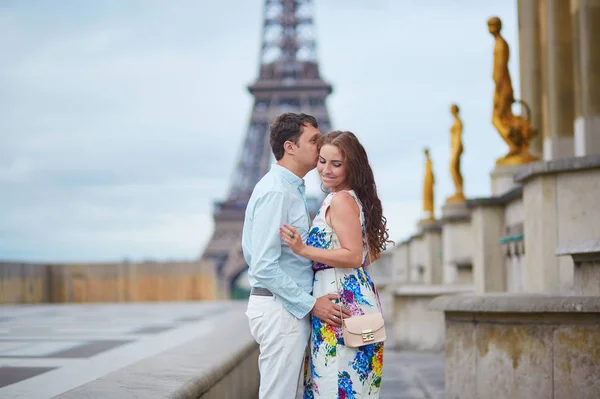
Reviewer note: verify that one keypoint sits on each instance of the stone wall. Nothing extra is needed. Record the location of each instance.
(116, 282)
(561, 206)
(24, 283)
(416, 255)
(401, 262)
(222, 363)
(415, 326)
(518, 346)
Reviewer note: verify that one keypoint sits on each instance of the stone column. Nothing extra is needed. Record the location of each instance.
(586, 28)
(556, 33)
(433, 245)
(489, 271)
(530, 67)
(431, 251)
(457, 243)
(401, 263)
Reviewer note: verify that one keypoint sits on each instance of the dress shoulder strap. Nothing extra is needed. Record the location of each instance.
(353, 195)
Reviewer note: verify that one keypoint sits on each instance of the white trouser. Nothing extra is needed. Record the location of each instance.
(282, 339)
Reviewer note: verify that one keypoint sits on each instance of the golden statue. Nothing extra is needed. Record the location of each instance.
(456, 148)
(515, 130)
(428, 183)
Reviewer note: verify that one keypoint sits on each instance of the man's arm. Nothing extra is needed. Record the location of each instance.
(269, 215)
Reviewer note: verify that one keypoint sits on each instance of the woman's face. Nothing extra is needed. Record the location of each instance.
(331, 167)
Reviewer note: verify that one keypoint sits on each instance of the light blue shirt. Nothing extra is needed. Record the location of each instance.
(278, 199)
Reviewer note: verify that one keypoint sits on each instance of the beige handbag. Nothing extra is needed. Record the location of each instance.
(362, 330)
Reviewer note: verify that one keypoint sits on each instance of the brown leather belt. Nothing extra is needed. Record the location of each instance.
(260, 291)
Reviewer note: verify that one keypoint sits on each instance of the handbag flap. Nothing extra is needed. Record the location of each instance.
(370, 321)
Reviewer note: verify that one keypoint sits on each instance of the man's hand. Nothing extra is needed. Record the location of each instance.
(328, 311)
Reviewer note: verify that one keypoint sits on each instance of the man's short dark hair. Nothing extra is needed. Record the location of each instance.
(288, 127)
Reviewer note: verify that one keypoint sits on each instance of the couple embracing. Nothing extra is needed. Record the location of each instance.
(307, 278)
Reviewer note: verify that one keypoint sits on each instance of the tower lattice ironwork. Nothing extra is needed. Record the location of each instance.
(288, 81)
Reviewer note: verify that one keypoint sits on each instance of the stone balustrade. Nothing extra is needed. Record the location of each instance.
(456, 246)
(220, 364)
(517, 346)
(415, 326)
(381, 271)
(521, 346)
(586, 258)
(498, 242)
(560, 199)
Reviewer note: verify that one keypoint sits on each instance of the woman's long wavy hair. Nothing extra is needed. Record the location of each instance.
(359, 176)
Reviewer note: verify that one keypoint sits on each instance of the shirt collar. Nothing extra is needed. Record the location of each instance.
(288, 175)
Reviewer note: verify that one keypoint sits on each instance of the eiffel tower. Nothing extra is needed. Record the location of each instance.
(288, 81)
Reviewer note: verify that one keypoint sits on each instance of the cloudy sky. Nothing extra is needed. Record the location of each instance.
(120, 120)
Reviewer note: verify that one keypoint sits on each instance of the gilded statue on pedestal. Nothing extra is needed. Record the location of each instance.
(515, 130)
(428, 183)
(456, 148)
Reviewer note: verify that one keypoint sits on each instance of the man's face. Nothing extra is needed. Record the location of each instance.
(307, 151)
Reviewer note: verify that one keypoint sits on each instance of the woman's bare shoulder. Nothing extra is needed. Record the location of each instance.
(344, 202)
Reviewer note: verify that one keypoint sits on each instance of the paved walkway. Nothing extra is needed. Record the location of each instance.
(46, 350)
(412, 375)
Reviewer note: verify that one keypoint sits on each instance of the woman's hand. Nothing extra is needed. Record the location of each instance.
(292, 238)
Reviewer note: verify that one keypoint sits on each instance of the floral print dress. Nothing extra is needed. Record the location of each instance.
(334, 371)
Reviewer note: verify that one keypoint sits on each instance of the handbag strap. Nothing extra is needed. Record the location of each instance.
(336, 275)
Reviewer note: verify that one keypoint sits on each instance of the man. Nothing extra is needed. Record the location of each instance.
(280, 299)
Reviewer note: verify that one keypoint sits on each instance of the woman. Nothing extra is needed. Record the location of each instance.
(347, 233)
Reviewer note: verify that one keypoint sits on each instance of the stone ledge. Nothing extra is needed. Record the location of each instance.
(558, 166)
(416, 236)
(456, 219)
(427, 226)
(587, 247)
(501, 200)
(455, 212)
(518, 303)
(432, 290)
(208, 366)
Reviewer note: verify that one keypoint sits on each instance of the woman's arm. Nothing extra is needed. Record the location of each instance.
(371, 259)
(345, 221)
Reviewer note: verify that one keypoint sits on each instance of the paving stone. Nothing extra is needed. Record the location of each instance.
(101, 334)
(10, 375)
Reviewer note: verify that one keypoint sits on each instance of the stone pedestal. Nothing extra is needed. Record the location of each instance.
(415, 326)
(586, 258)
(381, 270)
(517, 346)
(521, 346)
(457, 243)
(430, 232)
(488, 223)
(503, 179)
(416, 266)
(381, 273)
(560, 205)
(401, 262)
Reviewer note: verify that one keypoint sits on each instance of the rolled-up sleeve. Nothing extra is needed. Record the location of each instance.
(269, 216)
